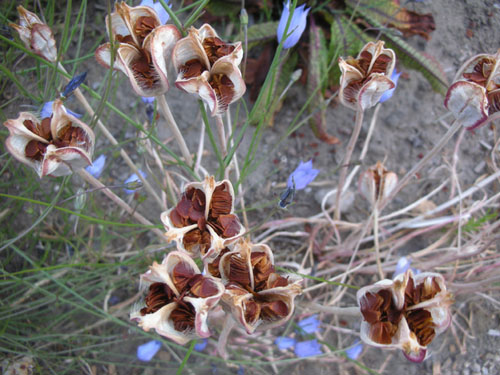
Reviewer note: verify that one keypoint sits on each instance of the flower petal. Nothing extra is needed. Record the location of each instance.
(147, 351)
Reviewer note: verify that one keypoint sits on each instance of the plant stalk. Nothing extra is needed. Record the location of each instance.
(347, 160)
(165, 110)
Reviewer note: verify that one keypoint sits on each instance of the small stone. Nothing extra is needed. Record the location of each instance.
(476, 367)
(486, 371)
(466, 372)
(453, 349)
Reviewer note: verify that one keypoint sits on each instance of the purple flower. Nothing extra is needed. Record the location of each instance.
(308, 348)
(285, 342)
(355, 350)
(158, 8)
(201, 345)
(133, 182)
(97, 166)
(310, 324)
(47, 111)
(302, 176)
(388, 94)
(296, 27)
(147, 351)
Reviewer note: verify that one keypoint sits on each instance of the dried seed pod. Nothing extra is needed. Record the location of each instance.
(179, 299)
(377, 183)
(257, 297)
(474, 97)
(203, 222)
(405, 313)
(365, 78)
(55, 146)
(144, 45)
(35, 35)
(208, 67)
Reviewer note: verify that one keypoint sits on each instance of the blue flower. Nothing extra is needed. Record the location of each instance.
(47, 111)
(308, 348)
(402, 266)
(133, 182)
(285, 342)
(310, 324)
(97, 166)
(302, 176)
(201, 345)
(158, 8)
(147, 351)
(355, 350)
(296, 27)
(148, 100)
(388, 94)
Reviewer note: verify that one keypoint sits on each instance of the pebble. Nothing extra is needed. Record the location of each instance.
(486, 371)
(476, 367)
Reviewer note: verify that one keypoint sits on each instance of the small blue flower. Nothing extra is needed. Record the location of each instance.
(47, 111)
(308, 348)
(388, 94)
(355, 350)
(241, 370)
(148, 100)
(132, 181)
(296, 27)
(284, 342)
(147, 351)
(310, 324)
(72, 85)
(302, 176)
(402, 266)
(97, 166)
(201, 345)
(158, 8)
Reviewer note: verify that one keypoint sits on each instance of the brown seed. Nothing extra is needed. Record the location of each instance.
(158, 296)
(203, 287)
(183, 316)
(274, 310)
(181, 275)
